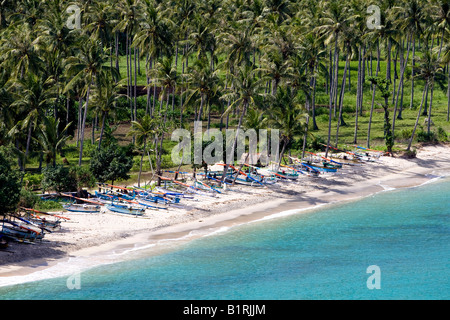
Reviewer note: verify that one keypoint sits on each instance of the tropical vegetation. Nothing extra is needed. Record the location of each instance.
(330, 72)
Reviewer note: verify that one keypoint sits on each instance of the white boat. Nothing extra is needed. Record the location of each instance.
(86, 208)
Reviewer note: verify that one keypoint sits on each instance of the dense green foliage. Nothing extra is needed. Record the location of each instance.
(111, 163)
(10, 185)
(68, 92)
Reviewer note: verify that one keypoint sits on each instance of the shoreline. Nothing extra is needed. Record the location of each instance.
(83, 240)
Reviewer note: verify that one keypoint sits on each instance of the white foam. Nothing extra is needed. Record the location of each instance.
(386, 188)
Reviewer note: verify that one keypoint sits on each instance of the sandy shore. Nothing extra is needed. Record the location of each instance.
(93, 235)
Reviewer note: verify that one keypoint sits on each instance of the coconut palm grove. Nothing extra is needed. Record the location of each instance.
(90, 91)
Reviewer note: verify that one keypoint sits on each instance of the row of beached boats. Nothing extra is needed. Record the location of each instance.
(216, 179)
(28, 226)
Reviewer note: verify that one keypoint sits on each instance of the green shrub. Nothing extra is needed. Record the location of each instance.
(58, 179)
(442, 135)
(32, 181)
(423, 136)
(28, 199)
(166, 161)
(405, 133)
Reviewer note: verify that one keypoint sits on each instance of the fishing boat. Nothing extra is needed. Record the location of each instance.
(346, 157)
(283, 173)
(321, 168)
(190, 189)
(20, 232)
(40, 218)
(126, 209)
(172, 193)
(241, 177)
(149, 204)
(204, 186)
(82, 208)
(346, 160)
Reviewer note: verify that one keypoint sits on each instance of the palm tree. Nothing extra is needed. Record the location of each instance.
(409, 18)
(20, 52)
(143, 130)
(154, 39)
(32, 96)
(238, 45)
(335, 19)
(89, 67)
(383, 86)
(129, 22)
(246, 93)
(166, 76)
(429, 70)
(287, 115)
(203, 83)
(105, 100)
(50, 139)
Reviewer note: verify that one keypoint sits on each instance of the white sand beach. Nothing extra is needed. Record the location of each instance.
(92, 234)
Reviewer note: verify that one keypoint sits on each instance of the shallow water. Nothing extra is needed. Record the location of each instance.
(323, 254)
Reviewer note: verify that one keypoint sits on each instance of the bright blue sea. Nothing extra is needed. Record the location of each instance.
(323, 254)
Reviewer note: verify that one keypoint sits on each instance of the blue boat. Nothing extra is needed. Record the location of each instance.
(319, 168)
(126, 209)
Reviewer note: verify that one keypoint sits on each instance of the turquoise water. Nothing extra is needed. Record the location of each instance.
(323, 254)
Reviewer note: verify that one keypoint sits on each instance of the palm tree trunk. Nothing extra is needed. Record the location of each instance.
(429, 109)
(373, 102)
(341, 98)
(199, 116)
(84, 125)
(140, 166)
(412, 77)
(417, 119)
(162, 93)
(128, 72)
(102, 130)
(117, 52)
(313, 103)
(305, 136)
(330, 114)
(336, 74)
(358, 89)
(388, 65)
(135, 85)
(395, 74)
(448, 93)
(400, 86)
(27, 148)
(147, 107)
(80, 108)
(236, 138)
(363, 79)
(330, 74)
(67, 110)
(389, 136)
(93, 131)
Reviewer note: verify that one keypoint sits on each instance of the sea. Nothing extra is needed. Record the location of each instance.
(392, 245)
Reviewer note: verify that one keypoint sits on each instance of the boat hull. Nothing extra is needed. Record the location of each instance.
(82, 208)
(126, 210)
